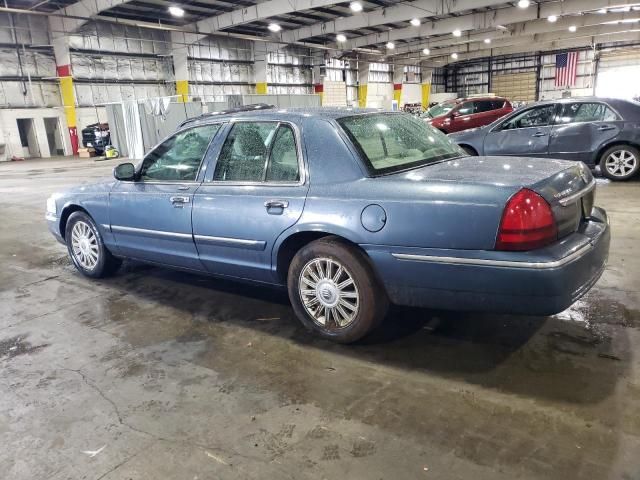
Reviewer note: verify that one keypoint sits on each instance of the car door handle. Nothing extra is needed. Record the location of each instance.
(179, 199)
(604, 128)
(276, 204)
(539, 134)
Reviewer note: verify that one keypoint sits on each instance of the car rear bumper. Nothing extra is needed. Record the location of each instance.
(541, 282)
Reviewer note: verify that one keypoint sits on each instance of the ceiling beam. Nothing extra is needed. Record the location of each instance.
(83, 11)
(540, 38)
(560, 44)
(519, 30)
(380, 16)
(486, 20)
(260, 11)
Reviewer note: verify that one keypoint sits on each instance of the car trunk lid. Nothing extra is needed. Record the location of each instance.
(568, 187)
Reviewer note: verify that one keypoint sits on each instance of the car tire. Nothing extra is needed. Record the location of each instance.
(86, 248)
(620, 162)
(335, 291)
(470, 150)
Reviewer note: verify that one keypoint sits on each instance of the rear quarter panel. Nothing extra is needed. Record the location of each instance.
(419, 212)
(629, 133)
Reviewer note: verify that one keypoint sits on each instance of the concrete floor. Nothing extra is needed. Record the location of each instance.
(158, 374)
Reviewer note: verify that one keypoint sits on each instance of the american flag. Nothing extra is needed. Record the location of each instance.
(566, 69)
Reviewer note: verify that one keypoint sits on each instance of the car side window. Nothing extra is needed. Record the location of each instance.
(178, 158)
(466, 108)
(586, 112)
(484, 106)
(497, 104)
(283, 161)
(535, 117)
(244, 154)
(258, 152)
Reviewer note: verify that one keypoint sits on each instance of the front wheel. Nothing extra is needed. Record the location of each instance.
(86, 248)
(335, 291)
(469, 150)
(620, 162)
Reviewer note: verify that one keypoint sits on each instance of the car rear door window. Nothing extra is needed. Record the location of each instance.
(258, 152)
(497, 104)
(535, 117)
(283, 161)
(484, 106)
(586, 112)
(179, 157)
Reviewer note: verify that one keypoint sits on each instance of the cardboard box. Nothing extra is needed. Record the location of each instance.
(86, 152)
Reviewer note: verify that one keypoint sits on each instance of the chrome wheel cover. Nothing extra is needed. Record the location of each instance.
(328, 293)
(620, 163)
(84, 245)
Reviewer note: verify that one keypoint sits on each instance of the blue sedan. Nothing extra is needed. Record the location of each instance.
(596, 131)
(350, 210)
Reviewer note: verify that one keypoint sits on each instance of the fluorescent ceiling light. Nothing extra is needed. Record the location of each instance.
(274, 27)
(176, 11)
(602, 10)
(573, 28)
(341, 38)
(415, 22)
(457, 33)
(426, 51)
(524, 3)
(355, 6)
(391, 45)
(487, 40)
(552, 18)
(454, 56)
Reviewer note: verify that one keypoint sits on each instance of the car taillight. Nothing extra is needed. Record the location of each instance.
(527, 223)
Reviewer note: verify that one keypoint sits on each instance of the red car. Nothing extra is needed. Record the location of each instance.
(465, 113)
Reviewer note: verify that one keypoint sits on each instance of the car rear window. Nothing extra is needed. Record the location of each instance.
(392, 142)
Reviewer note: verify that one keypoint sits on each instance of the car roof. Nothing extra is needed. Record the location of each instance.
(610, 100)
(291, 114)
(488, 97)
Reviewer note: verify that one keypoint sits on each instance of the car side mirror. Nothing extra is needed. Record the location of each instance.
(455, 114)
(125, 172)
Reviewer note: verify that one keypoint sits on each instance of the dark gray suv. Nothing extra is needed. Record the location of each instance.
(596, 131)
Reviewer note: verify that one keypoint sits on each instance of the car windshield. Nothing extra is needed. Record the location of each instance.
(392, 142)
(441, 109)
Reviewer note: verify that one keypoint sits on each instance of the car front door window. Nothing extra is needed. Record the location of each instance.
(178, 158)
(536, 117)
(466, 108)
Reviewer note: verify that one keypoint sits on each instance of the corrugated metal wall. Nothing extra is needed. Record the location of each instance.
(289, 70)
(220, 66)
(111, 63)
(27, 76)
(380, 73)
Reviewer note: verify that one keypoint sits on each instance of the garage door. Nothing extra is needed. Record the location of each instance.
(614, 71)
(519, 87)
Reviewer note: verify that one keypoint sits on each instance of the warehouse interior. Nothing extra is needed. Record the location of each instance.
(155, 373)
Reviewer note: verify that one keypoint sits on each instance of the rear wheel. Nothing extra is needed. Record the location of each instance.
(620, 162)
(86, 248)
(335, 291)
